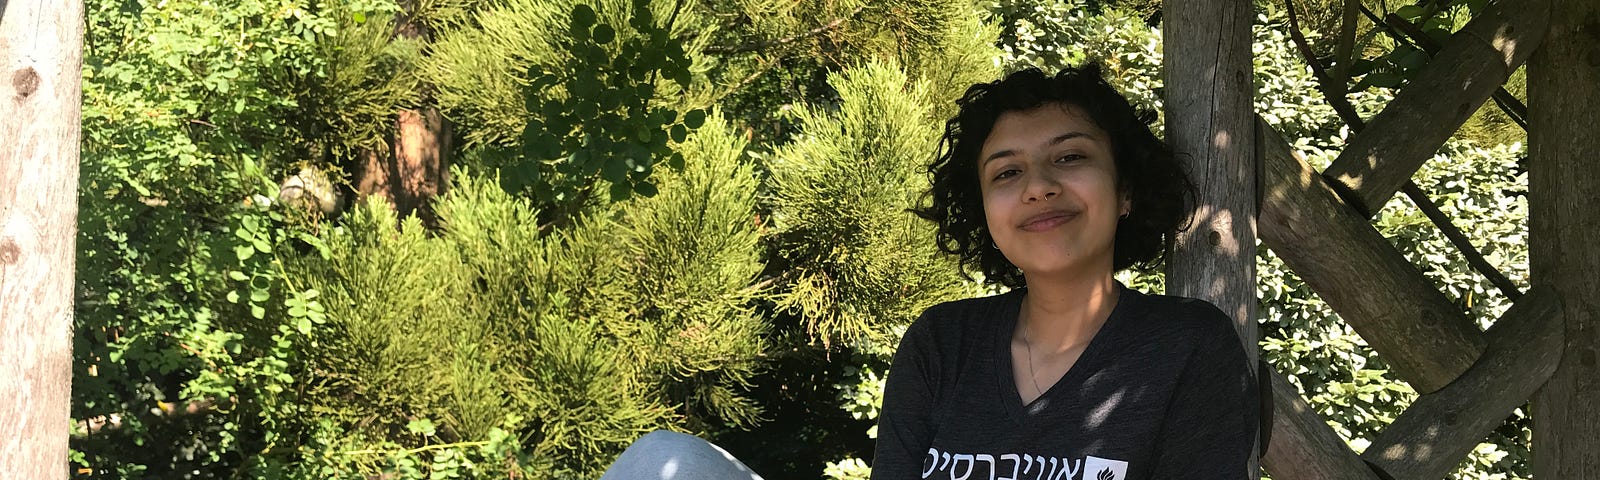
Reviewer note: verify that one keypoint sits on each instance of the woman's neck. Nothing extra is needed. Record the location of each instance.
(1059, 314)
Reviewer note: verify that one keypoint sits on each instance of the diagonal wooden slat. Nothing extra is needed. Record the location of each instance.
(1437, 431)
(1359, 273)
(1303, 446)
(1476, 62)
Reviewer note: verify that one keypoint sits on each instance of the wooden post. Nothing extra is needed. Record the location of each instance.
(1563, 184)
(41, 44)
(1211, 127)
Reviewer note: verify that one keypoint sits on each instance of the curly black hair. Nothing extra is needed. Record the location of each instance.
(1161, 192)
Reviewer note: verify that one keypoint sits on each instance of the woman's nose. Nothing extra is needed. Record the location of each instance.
(1041, 187)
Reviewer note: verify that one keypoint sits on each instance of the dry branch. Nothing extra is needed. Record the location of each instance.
(1437, 431)
(1438, 100)
(1359, 273)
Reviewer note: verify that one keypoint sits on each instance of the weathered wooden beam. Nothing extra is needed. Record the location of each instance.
(41, 48)
(1303, 447)
(1563, 184)
(1437, 431)
(1359, 273)
(1210, 124)
(1476, 62)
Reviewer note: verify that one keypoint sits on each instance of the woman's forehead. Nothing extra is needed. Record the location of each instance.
(1039, 127)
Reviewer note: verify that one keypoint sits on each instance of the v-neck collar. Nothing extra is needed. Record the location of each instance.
(1091, 354)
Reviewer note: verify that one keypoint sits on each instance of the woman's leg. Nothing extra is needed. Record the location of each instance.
(663, 455)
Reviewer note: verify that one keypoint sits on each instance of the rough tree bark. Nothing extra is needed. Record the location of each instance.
(1211, 127)
(41, 44)
(1564, 108)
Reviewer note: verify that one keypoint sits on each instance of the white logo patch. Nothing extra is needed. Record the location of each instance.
(1096, 468)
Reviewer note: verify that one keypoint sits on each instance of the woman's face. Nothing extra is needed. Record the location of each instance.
(1050, 193)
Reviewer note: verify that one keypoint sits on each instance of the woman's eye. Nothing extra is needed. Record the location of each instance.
(1004, 174)
(1069, 158)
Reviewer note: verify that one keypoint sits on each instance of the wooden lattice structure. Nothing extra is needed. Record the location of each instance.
(1543, 348)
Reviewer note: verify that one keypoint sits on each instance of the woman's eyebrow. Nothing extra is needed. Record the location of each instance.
(1068, 136)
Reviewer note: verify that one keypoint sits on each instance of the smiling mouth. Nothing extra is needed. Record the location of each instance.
(1046, 221)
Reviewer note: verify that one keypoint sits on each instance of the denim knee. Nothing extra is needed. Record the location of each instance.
(664, 455)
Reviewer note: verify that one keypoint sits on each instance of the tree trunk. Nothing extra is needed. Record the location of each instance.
(41, 44)
(1211, 127)
(417, 167)
(1562, 183)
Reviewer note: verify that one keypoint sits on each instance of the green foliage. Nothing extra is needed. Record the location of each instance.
(858, 260)
(180, 358)
(495, 317)
(1054, 35)
(604, 126)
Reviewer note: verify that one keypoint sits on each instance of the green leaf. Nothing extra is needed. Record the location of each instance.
(259, 295)
(604, 34)
(1414, 60)
(237, 275)
(244, 252)
(645, 189)
(1384, 79)
(258, 311)
(582, 16)
(303, 325)
(679, 133)
(695, 118)
(621, 191)
(1411, 12)
(359, 17)
(614, 170)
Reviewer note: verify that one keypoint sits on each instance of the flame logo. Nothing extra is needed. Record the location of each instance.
(1106, 475)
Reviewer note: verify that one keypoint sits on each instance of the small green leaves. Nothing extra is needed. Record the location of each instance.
(695, 118)
(596, 114)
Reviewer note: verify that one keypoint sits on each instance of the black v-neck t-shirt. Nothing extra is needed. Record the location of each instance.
(1163, 391)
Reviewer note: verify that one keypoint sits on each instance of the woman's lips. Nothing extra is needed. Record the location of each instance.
(1047, 220)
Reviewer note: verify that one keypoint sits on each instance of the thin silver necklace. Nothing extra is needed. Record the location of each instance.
(1032, 377)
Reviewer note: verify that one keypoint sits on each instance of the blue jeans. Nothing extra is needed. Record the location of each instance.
(664, 455)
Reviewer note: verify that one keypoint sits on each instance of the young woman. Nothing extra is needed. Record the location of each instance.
(1049, 185)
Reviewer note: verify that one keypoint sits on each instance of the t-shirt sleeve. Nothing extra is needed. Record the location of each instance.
(1210, 427)
(905, 423)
